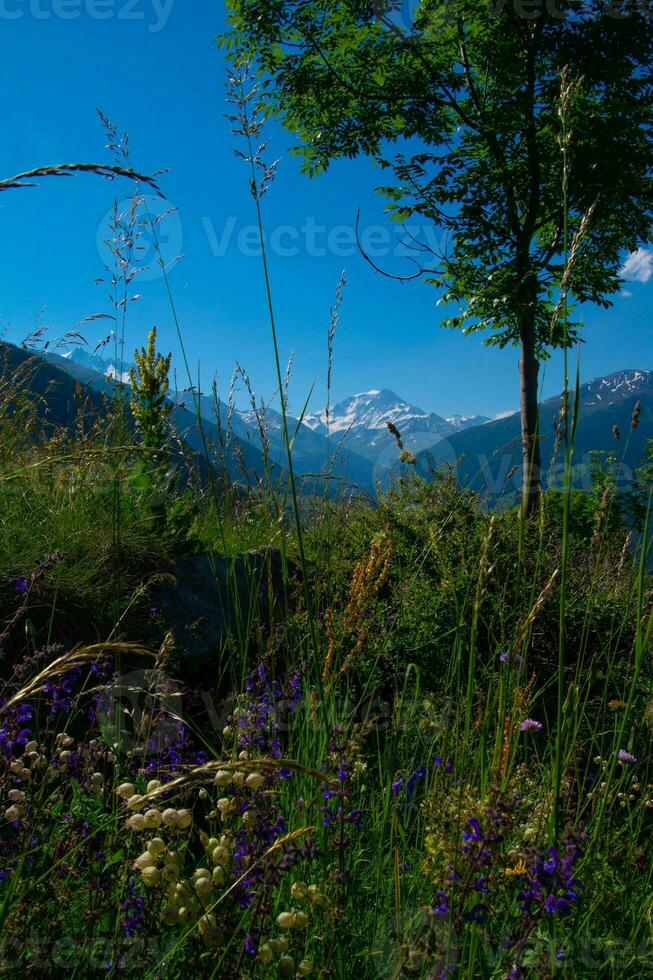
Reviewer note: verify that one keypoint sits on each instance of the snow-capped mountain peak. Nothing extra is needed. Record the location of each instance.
(105, 366)
(617, 385)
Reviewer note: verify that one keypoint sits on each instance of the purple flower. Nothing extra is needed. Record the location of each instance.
(21, 584)
(441, 907)
(513, 659)
(530, 725)
(626, 757)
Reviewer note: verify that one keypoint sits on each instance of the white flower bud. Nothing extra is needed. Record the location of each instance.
(203, 887)
(153, 785)
(298, 890)
(279, 945)
(144, 860)
(156, 846)
(221, 855)
(136, 822)
(12, 813)
(152, 818)
(184, 819)
(265, 954)
(170, 817)
(125, 790)
(286, 920)
(151, 877)
(255, 780)
(223, 777)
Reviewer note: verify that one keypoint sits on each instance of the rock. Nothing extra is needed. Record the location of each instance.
(210, 598)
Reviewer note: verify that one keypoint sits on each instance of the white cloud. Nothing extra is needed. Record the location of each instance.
(625, 293)
(638, 267)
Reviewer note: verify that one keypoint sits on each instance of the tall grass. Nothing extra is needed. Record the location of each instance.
(434, 761)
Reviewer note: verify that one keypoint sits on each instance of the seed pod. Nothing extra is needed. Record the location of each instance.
(151, 877)
(286, 967)
(255, 780)
(184, 819)
(286, 920)
(144, 860)
(136, 822)
(203, 887)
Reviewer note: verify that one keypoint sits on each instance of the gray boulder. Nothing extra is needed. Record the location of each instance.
(210, 599)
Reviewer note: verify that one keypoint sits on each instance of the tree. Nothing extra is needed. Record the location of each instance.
(149, 388)
(522, 129)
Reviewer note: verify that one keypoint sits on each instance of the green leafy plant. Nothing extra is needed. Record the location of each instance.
(149, 404)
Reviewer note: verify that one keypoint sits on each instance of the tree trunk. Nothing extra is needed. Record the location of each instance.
(529, 369)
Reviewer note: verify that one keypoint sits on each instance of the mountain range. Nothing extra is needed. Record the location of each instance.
(354, 445)
(488, 459)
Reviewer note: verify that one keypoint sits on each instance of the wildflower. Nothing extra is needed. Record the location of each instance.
(286, 920)
(626, 757)
(21, 585)
(126, 790)
(136, 822)
(441, 907)
(511, 658)
(530, 725)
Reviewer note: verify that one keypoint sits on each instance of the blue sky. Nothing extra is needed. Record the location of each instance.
(152, 66)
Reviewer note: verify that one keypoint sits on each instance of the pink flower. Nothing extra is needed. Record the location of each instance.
(530, 725)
